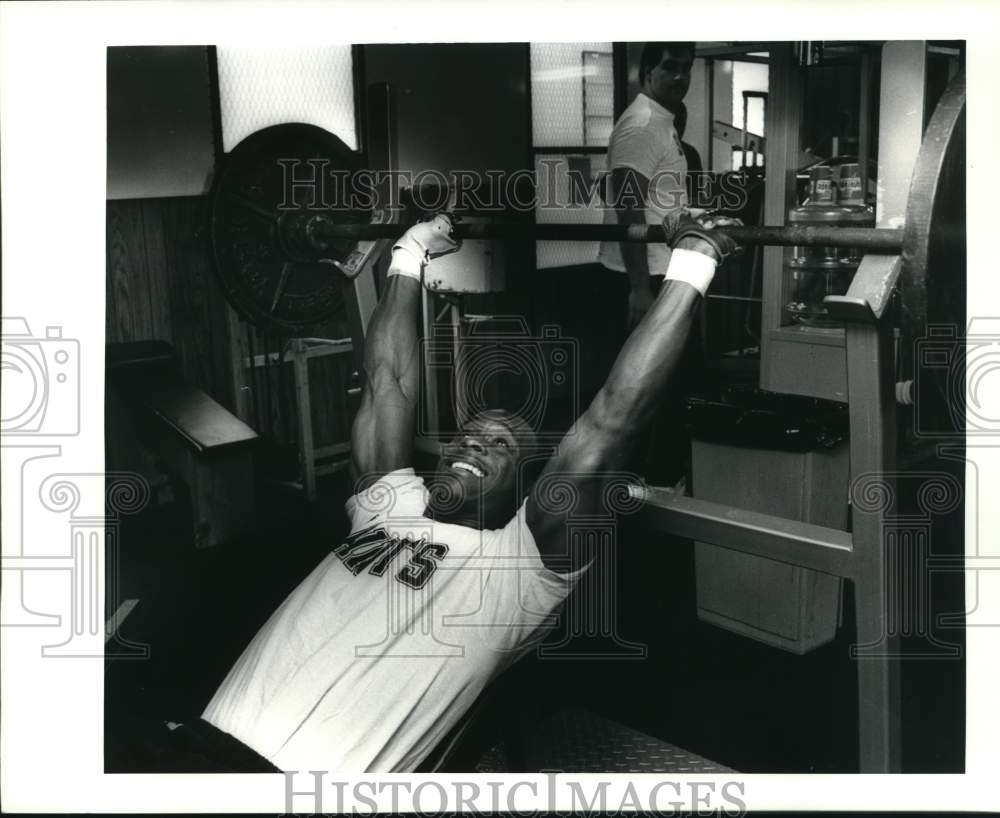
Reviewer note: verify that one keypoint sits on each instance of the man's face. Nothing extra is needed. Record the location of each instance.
(481, 463)
(667, 82)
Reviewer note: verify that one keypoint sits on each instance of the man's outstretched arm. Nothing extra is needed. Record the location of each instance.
(382, 434)
(604, 437)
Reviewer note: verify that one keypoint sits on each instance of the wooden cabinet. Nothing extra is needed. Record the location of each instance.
(783, 605)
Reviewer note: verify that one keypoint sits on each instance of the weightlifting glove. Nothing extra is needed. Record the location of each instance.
(696, 265)
(421, 243)
(683, 224)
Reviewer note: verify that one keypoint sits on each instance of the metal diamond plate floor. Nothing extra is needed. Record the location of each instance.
(575, 740)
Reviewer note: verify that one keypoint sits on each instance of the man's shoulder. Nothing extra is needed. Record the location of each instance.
(642, 121)
(384, 496)
(638, 113)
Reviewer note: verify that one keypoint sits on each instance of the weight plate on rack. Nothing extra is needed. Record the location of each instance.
(933, 276)
(258, 219)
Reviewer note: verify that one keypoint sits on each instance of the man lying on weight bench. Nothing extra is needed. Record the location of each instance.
(440, 586)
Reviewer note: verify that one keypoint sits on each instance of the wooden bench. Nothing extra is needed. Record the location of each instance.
(193, 439)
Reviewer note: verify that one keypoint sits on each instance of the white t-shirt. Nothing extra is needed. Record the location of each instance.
(645, 140)
(370, 662)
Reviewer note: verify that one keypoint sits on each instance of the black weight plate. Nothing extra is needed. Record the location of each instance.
(262, 276)
(933, 276)
(933, 285)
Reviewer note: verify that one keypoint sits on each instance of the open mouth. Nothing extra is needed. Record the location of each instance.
(460, 465)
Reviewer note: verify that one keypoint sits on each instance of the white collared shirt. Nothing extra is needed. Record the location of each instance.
(644, 139)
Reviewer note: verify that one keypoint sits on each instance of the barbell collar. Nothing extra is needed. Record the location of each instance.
(864, 238)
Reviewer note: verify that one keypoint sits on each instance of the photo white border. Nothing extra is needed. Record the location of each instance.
(52, 136)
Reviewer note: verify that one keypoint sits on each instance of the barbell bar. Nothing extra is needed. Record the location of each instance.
(866, 238)
(273, 262)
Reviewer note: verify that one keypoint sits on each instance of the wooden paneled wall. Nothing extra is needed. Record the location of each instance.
(160, 285)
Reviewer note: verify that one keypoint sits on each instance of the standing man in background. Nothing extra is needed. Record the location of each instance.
(647, 167)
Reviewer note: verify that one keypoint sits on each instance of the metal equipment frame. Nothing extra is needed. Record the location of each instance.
(859, 556)
(864, 555)
(866, 355)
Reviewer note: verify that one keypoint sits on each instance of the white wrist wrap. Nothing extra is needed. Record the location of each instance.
(691, 267)
(405, 263)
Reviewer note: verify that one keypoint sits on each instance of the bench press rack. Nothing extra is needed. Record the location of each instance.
(912, 261)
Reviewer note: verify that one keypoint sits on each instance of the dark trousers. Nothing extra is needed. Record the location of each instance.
(148, 746)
